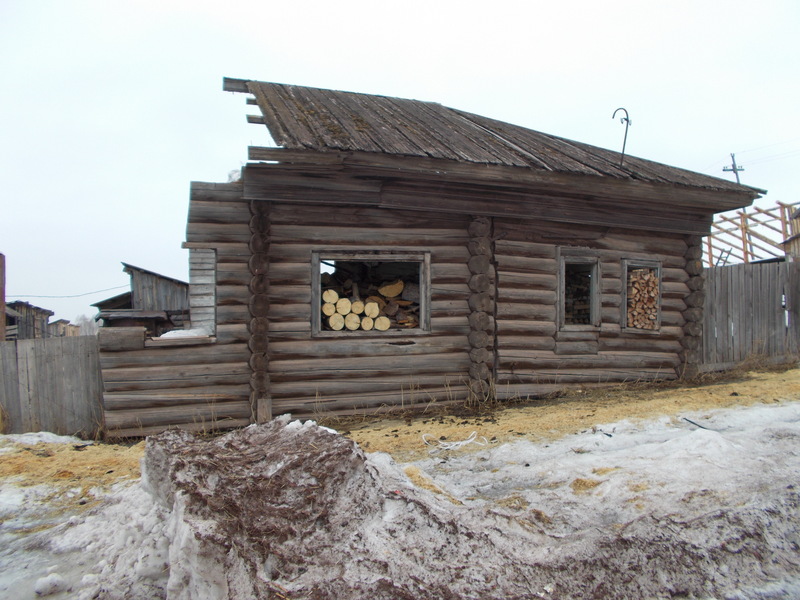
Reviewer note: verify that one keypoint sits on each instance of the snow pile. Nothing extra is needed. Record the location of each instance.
(288, 509)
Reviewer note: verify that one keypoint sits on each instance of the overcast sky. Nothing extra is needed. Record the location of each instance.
(109, 109)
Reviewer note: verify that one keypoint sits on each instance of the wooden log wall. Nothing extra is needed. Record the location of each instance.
(340, 372)
(535, 355)
(482, 308)
(198, 384)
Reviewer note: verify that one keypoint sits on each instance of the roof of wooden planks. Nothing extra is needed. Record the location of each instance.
(305, 118)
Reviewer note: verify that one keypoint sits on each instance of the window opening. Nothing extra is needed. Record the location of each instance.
(579, 282)
(643, 293)
(366, 295)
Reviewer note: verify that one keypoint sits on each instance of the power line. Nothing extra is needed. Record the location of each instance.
(72, 296)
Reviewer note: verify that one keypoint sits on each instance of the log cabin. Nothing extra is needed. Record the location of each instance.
(389, 253)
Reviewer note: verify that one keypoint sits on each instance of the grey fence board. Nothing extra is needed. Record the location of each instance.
(751, 310)
(51, 384)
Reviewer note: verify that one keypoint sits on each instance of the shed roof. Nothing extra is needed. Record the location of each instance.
(305, 118)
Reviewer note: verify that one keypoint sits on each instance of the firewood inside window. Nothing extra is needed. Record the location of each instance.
(579, 282)
(373, 295)
(643, 291)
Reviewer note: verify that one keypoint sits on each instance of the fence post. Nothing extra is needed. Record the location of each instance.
(2, 297)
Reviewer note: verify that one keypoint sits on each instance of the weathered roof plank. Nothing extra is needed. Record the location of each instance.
(303, 118)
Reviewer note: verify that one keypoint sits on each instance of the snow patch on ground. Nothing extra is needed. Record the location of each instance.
(697, 508)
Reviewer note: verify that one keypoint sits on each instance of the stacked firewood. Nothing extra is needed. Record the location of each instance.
(577, 301)
(390, 305)
(642, 307)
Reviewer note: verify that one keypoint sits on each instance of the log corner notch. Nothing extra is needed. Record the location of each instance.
(260, 401)
(482, 308)
(692, 341)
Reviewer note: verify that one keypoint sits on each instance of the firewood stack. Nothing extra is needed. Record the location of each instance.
(577, 301)
(643, 298)
(390, 305)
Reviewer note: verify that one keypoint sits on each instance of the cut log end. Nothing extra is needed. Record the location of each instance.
(336, 322)
(330, 296)
(382, 323)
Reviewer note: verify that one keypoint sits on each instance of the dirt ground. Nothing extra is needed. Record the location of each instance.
(84, 467)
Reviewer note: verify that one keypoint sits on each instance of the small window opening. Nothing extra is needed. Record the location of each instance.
(370, 295)
(578, 280)
(643, 293)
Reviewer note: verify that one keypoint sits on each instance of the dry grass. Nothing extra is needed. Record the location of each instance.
(575, 411)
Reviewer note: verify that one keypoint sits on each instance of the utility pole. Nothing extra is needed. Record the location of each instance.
(734, 168)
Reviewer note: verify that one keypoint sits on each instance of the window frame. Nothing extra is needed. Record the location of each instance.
(579, 256)
(641, 263)
(371, 255)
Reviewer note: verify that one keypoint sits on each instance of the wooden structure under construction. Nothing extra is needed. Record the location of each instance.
(497, 260)
(754, 235)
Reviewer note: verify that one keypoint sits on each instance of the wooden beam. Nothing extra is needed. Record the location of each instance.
(230, 84)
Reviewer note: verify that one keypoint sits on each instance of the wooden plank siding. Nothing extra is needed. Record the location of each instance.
(752, 310)
(196, 384)
(357, 372)
(51, 384)
(533, 356)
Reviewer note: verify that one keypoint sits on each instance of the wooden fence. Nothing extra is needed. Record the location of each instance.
(51, 384)
(751, 310)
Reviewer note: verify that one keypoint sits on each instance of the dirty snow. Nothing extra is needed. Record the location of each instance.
(704, 505)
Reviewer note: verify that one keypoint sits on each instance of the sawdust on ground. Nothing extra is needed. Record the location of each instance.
(76, 473)
(85, 469)
(571, 413)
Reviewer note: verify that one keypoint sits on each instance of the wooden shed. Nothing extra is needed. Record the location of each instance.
(155, 301)
(501, 261)
(28, 322)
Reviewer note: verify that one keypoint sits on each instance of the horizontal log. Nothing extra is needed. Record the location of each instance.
(604, 238)
(544, 361)
(649, 343)
(665, 332)
(526, 342)
(233, 294)
(518, 311)
(365, 403)
(186, 355)
(525, 264)
(282, 370)
(130, 402)
(572, 348)
(674, 289)
(670, 274)
(296, 252)
(117, 339)
(165, 416)
(527, 280)
(209, 210)
(584, 376)
(287, 214)
(212, 233)
(355, 347)
(511, 245)
(324, 234)
(523, 295)
(149, 377)
(508, 327)
(227, 252)
(509, 387)
(134, 432)
(232, 315)
(324, 389)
